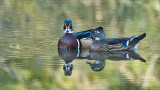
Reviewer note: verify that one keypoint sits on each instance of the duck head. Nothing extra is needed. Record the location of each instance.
(67, 26)
(68, 67)
(97, 34)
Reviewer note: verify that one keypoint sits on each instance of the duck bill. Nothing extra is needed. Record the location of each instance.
(67, 72)
(68, 30)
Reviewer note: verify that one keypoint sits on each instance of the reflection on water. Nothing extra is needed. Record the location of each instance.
(68, 55)
(29, 33)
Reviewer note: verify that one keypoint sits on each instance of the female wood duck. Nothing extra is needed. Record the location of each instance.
(112, 44)
(75, 40)
(100, 57)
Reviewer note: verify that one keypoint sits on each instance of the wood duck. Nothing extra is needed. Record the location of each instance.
(112, 44)
(75, 40)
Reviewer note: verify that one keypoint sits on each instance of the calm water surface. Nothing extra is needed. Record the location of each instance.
(30, 30)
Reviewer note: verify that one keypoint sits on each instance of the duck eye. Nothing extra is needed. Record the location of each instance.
(95, 32)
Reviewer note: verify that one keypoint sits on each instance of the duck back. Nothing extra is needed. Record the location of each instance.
(68, 41)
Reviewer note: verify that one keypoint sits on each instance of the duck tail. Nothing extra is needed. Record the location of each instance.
(134, 41)
(134, 55)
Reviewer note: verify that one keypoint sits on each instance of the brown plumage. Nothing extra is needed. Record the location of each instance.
(68, 41)
(107, 45)
(113, 44)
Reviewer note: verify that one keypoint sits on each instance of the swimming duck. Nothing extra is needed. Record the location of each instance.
(75, 40)
(112, 44)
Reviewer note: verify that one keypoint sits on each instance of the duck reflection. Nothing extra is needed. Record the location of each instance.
(98, 65)
(68, 55)
(100, 58)
(116, 55)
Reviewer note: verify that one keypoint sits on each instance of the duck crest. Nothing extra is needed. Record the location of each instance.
(68, 41)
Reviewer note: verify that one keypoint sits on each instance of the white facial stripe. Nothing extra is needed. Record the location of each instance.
(97, 38)
(98, 32)
(68, 30)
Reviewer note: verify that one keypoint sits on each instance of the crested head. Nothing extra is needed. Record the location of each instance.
(67, 26)
(67, 22)
(97, 34)
(68, 67)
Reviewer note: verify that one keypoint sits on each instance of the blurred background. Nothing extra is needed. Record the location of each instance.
(30, 30)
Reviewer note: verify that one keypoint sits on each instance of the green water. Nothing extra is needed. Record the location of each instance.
(30, 30)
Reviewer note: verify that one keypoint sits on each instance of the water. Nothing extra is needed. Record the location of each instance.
(30, 29)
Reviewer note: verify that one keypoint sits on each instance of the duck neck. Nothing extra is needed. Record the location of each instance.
(68, 33)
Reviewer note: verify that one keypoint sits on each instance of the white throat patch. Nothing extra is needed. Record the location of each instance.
(97, 38)
(68, 31)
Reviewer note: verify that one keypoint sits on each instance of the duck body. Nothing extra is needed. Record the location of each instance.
(68, 41)
(113, 44)
(75, 40)
(109, 44)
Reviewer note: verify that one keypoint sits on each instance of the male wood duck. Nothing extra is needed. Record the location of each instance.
(75, 40)
(112, 44)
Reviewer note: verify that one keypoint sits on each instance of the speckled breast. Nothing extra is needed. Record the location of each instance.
(68, 41)
(68, 55)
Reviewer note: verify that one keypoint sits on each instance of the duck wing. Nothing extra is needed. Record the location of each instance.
(112, 41)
